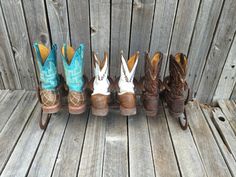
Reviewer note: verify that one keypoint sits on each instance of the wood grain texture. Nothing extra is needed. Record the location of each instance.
(59, 27)
(100, 26)
(120, 33)
(26, 147)
(36, 19)
(47, 152)
(186, 151)
(183, 28)
(227, 80)
(165, 162)
(202, 36)
(1, 83)
(228, 157)
(229, 110)
(16, 25)
(140, 151)
(80, 29)
(227, 133)
(8, 71)
(233, 94)
(68, 159)
(116, 146)
(210, 153)
(91, 162)
(8, 105)
(3, 93)
(162, 28)
(218, 52)
(16, 124)
(142, 18)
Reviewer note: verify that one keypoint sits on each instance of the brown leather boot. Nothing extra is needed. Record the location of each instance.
(150, 95)
(126, 94)
(76, 102)
(177, 92)
(50, 100)
(50, 81)
(73, 61)
(100, 86)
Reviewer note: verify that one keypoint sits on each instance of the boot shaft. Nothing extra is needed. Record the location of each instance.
(101, 82)
(178, 69)
(73, 62)
(127, 72)
(47, 64)
(152, 73)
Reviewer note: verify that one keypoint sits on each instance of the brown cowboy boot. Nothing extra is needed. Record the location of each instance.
(50, 82)
(100, 85)
(177, 92)
(151, 81)
(73, 61)
(126, 94)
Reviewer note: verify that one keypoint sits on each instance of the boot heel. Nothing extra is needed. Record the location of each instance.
(51, 109)
(151, 113)
(99, 112)
(77, 109)
(127, 111)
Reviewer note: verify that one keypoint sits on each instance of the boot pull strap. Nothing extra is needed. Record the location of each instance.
(38, 56)
(65, 52)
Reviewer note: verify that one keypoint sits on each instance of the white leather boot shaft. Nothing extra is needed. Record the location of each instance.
(126, 77)
(101, 82)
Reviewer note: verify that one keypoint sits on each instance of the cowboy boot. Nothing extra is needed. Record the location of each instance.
(177, 91)
(48, 90)
(100, 86)
(73, 62)
(126, 94)
(151, 81)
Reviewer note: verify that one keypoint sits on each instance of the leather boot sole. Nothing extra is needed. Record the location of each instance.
(77, 109)
(99, 111)
(151, 113)
(127, 111)
(51, 109)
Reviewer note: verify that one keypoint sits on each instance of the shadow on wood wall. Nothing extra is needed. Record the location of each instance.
(202, 29)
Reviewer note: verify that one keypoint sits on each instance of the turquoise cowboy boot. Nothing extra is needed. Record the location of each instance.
(48, 92)
(73, 62)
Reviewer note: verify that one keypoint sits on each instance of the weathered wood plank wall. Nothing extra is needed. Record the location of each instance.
(202, 29)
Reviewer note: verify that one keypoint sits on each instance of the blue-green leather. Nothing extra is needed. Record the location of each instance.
(74, 70)
(49, 77)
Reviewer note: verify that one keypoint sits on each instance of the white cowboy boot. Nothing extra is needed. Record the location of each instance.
(100, 95)
(126, 94)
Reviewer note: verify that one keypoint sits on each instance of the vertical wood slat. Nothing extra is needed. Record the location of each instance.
(227, 80)
(9, 75)
(218, 52)
(183, 28)
(59, 26)
(2, 87)
(142, 18)
(36, 21)
(210, 154)
(16, 25)
(120, 33)
(233, 94)
(202, 36)
(15, 20)
(80, 30)
(162, 28)
(35, 15)
(140, 151)
(100, 26)
(183, 141)
(115, 161)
